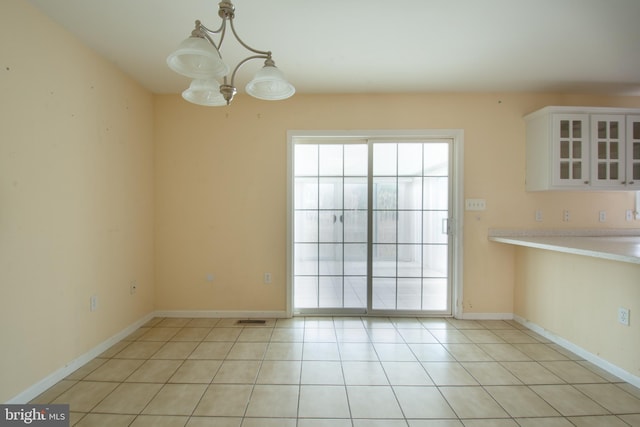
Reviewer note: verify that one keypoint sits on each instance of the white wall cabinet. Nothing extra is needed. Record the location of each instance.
(583, 148)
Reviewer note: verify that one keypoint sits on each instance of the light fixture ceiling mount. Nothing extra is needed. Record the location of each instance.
(199, 58)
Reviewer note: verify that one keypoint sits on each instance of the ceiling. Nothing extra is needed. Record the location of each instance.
(377, 46)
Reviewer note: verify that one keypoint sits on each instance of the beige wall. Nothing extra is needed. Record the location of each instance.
(577, 298)
(76, 198)
(221, 189)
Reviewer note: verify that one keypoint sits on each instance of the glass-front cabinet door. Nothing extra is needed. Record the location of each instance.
(608, 154)
(633, 152)
(570, 150)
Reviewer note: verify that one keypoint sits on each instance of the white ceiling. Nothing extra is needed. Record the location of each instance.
(372, 46)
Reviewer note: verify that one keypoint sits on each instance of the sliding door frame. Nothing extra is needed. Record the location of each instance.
(456, 136)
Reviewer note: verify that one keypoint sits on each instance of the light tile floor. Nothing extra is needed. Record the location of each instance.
(339, 372)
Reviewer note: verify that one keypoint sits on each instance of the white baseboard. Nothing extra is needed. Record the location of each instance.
(598, 361)
(222, 314)
(50, 380)
(487, 316)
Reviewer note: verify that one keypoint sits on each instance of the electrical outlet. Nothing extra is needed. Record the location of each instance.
(267, 278)
(475, 204)
(566, 216)
(629, 215)
(93, 303)
(602, 216)
(623, 316)
(539, 216)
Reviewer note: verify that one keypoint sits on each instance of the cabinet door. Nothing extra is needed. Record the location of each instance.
(570, 157)
(633, 152)
(608, 151)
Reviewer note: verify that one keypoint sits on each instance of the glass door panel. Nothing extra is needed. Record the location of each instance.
(371, 227)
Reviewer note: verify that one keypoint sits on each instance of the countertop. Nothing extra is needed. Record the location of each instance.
(613, 244)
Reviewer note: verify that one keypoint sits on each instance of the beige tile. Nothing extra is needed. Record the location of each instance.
(128, 398)
(490, 423)
(176, 399)
(435, 423)
(320, 351)
(357, 351)
(155, 371)
(572, 372)
(394, 352)
(137, 334)
(417, 336)
(175, 350)
(114, 349)
(465, 324)
(320, 335)
(211, 350)
(431, 353)
(631, 419)
(159, 421)
(612, 398)
(423, 402)
(75, 417)
(379, 423)
(328, 422)
(273, 401)
(153, 322)
(630, 389)
(54, 391)
(386, 336)
(520, 401)
(196, 371)
(373, 402)
(237, 372)
(284, 351)
(159, 334)
(450, 336)
(279, 372)
(479, 336)
(599, 371)
(223, 334)
(490, 373)
(214, 422)
(255, 335)
(84, 395)
(204, 322)
(532, 373)
(364, 373)
(544, 422)
(435, 323)
(568, 400)
(269, 422)
(290, 323)
(321, 372)
(448, 373)
(114, 370)
(86, 369)
(601, 421)
(173, 322)
(101, 420)
(323, 402)
(406, 373)
(247, 351)
(472, 402)
(504, 352)
(540, 352)
(353, 335)
(496, 324)
(224, 400)
(287, 335)
(515, 336)
(139, 350)
(191, 334)
(467, 353)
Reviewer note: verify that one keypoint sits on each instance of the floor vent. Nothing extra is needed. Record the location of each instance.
(251, 322)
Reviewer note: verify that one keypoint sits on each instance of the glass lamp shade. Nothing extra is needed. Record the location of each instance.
(269, 84)
(197, 58)
(204, 92)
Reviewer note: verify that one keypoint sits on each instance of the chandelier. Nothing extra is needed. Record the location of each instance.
(199, 58)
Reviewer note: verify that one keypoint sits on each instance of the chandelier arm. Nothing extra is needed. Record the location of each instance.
(246, 46)
(222, 30)
(235, 70)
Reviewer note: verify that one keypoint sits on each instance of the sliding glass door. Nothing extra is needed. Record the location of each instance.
(371, 226)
